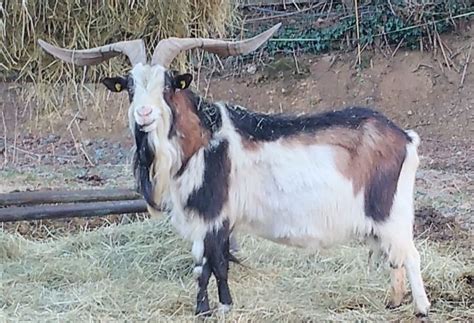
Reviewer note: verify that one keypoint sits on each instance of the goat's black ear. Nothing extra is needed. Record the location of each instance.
(183, 81)
(115, 84)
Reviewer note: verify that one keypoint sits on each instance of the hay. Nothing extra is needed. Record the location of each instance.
(142, 271)
(82, 24)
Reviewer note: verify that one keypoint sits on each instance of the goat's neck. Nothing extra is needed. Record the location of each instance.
(188, 132)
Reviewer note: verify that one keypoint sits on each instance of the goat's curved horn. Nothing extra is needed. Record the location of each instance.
(134, 49)
(168, 49)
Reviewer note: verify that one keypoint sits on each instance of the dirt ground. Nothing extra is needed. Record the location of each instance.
(91, 147)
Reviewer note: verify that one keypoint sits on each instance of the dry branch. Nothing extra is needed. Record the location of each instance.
(29, 213)
(465, 66)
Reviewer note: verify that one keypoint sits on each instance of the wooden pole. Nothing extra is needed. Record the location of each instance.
(12, 214)
(48, 197)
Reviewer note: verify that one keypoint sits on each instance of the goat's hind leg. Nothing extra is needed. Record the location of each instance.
(412, 265)
(403, 257)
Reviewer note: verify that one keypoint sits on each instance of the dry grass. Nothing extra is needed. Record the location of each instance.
(142, 271)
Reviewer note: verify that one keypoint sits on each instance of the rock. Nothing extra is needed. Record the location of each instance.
(251, 69)
(51, 139)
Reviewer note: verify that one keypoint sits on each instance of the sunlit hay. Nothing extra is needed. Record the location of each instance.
(86, 24)
(143, 271)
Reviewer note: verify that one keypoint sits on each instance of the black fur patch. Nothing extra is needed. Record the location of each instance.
(381, 189)
(210, 115)
(142, 163)
(208, 112)
(209, 199)
(270, 127)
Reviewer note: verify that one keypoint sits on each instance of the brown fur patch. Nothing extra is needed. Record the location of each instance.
(371, 157)
(250, 145)
(191, 134)
(398, 289)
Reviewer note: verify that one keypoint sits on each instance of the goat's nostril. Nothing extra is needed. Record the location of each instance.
(145, 111)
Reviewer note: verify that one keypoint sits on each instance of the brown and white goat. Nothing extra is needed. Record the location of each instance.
(308, 181)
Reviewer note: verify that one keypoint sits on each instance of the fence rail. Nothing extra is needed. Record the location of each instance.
(36, 205)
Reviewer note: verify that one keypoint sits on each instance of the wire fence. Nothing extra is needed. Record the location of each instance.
(322, 26)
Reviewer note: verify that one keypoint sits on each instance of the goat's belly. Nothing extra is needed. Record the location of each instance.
(307, 204)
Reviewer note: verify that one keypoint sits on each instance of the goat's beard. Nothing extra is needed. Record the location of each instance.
(167, 158)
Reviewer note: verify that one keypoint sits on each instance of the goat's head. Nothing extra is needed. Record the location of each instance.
(149, 82)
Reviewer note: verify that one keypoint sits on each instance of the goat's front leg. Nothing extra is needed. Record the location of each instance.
(218, 245)
(212, 255)
(202, 272)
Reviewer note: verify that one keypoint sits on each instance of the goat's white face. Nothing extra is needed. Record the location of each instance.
(147, 86)
(147, 107)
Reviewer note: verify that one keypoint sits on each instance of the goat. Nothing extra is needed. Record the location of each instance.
(310, 181)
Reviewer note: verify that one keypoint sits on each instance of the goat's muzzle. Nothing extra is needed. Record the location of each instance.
(145, 117)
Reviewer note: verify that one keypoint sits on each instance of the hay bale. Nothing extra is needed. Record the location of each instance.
(81, 24)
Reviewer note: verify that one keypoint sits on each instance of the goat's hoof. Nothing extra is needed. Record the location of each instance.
(224, 308)
(421, 317)
(392, 305)
(204, 314)
(422, 310)
(203, 310)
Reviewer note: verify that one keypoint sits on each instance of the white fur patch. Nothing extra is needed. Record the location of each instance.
(197, 272)
(224, 308)
(197, 251)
